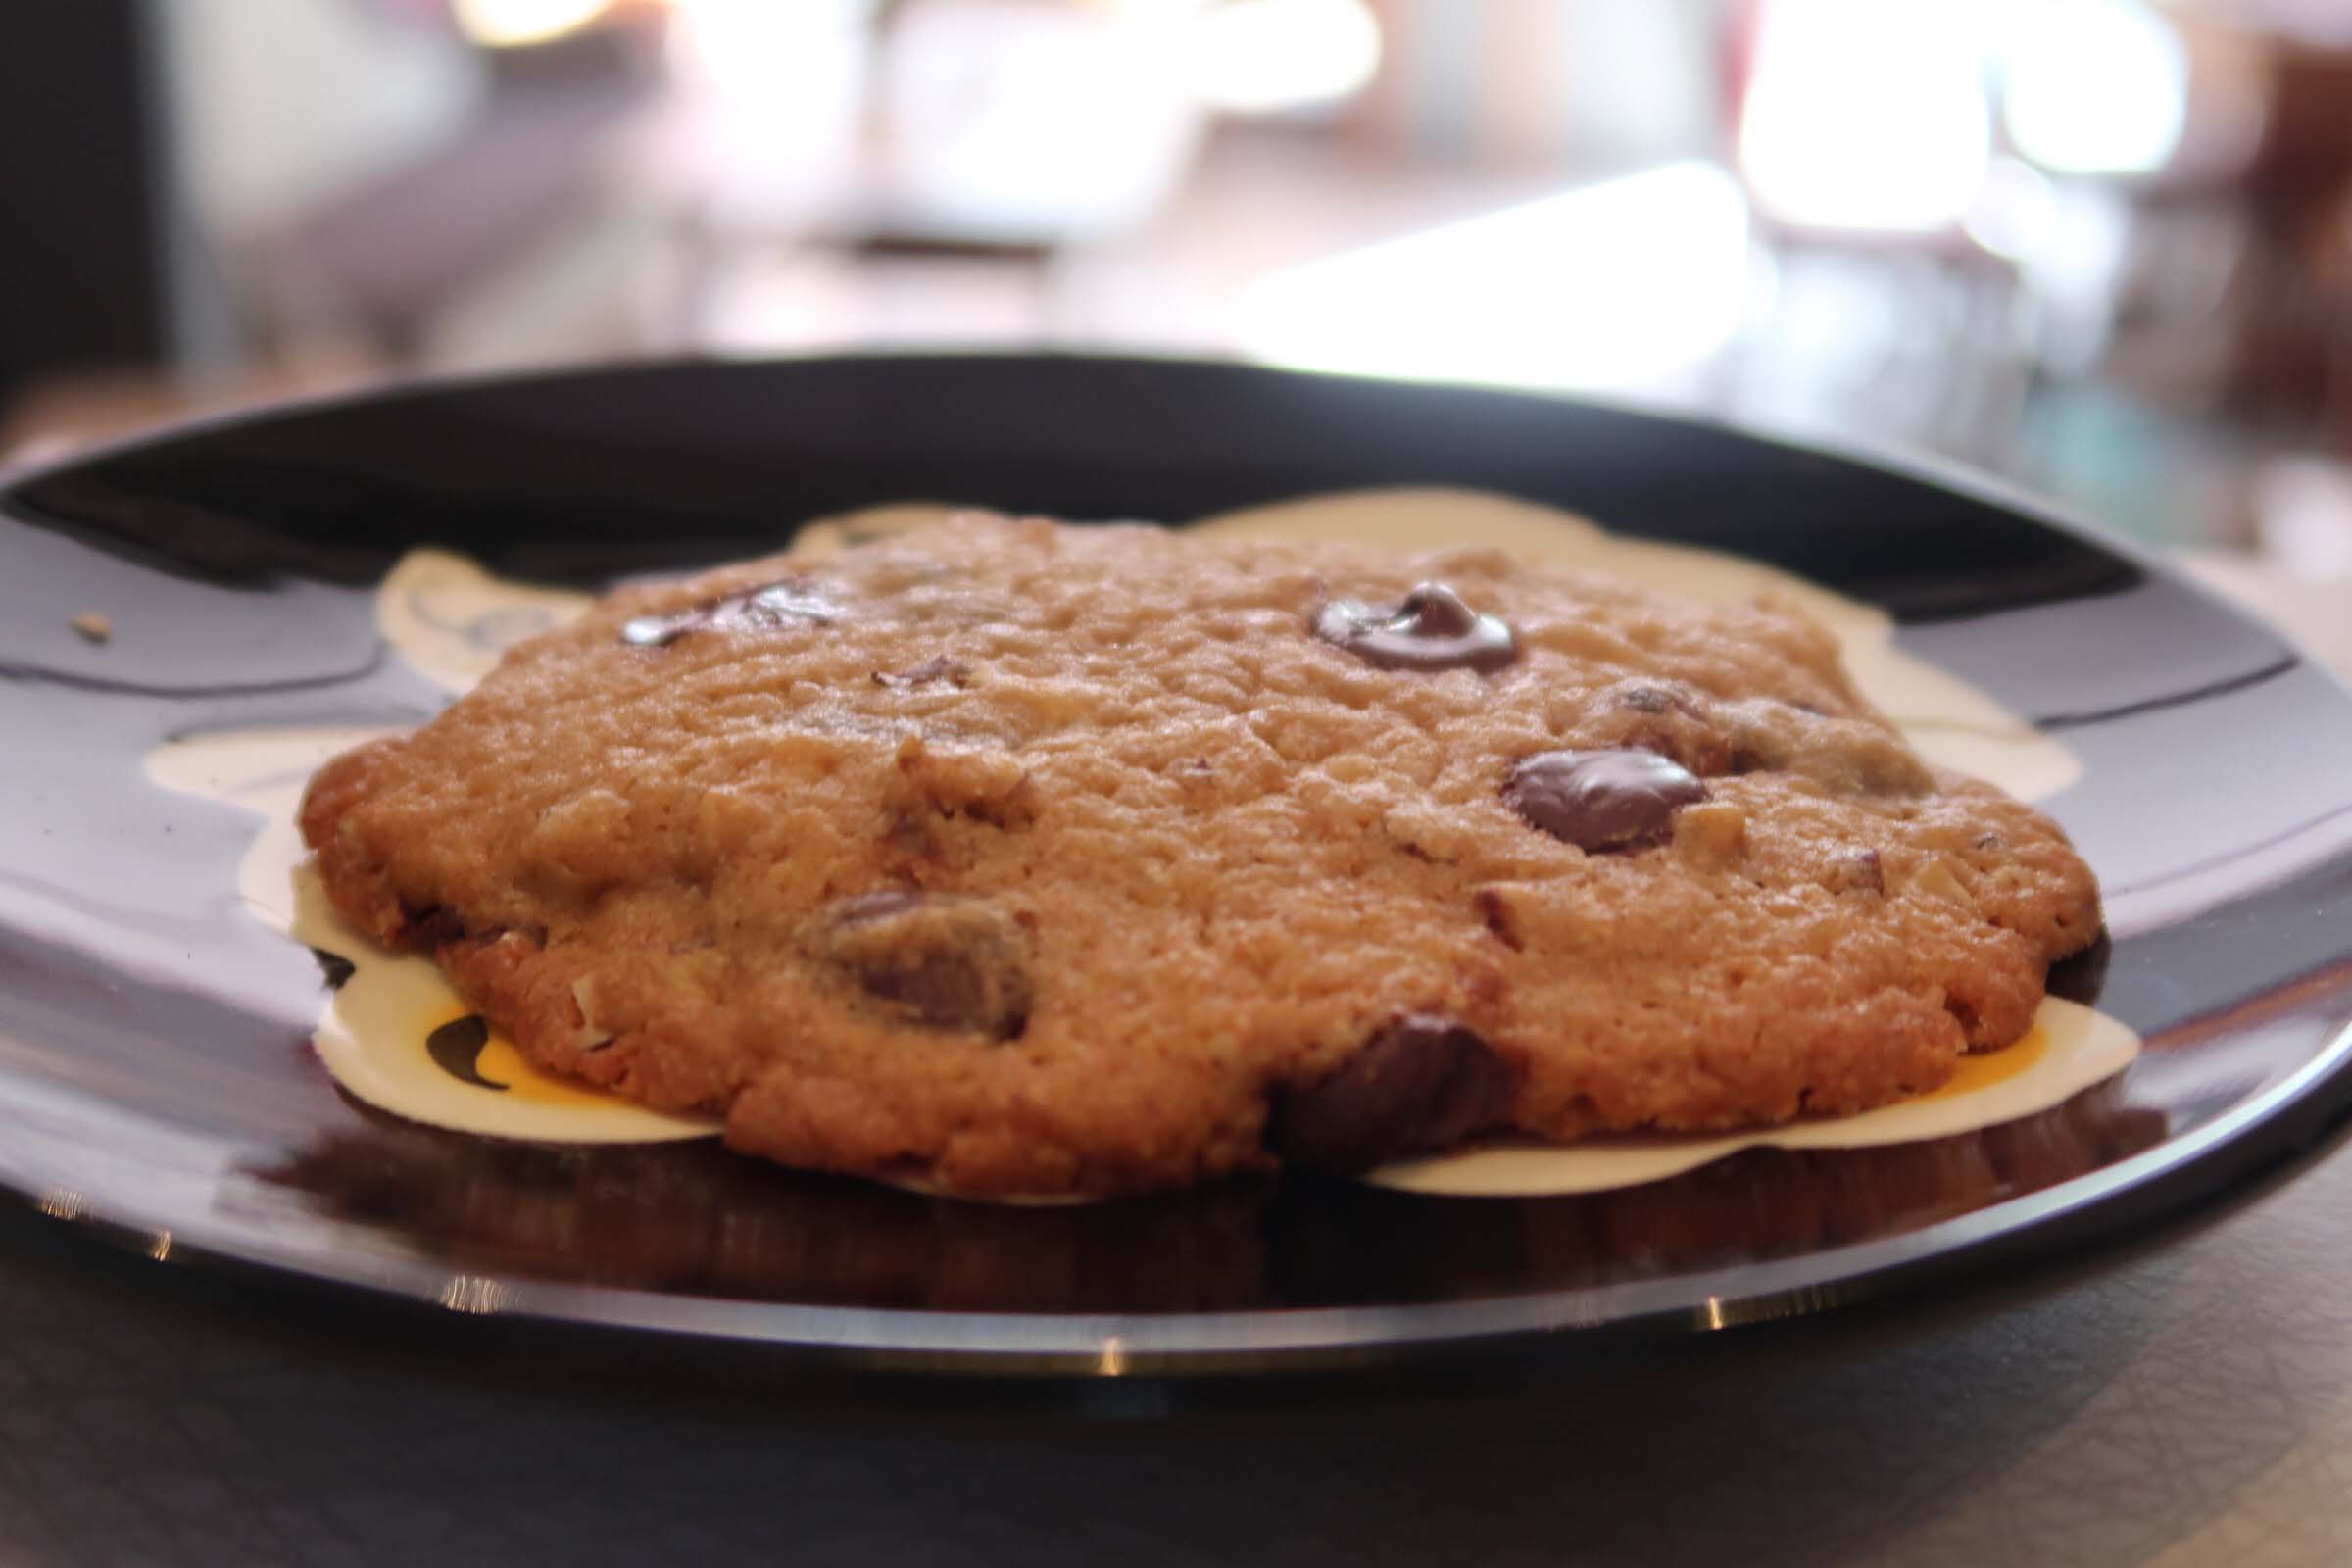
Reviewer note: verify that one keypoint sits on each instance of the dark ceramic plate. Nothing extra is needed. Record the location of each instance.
(153, 1077)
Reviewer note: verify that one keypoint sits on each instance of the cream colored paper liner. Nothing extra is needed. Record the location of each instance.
(450, 621)
(2069, 1048)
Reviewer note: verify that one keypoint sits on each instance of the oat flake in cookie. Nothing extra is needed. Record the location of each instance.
(1012, 859)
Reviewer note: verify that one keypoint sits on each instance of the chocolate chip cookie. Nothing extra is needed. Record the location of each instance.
(1017, 859)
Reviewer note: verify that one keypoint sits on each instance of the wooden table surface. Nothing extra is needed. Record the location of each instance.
(2184, 1400)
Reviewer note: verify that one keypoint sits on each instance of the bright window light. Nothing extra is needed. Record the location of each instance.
(510, 23)
(1621, 285)
(761, 46)
(2014, 211)
(1867, 114)
(2095, 87)
(1258, 56)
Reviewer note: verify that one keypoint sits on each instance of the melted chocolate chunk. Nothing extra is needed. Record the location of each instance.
(1431, 629)
(935, 959)
(1419, 1083)
(433, 926)
(768, 608)
(1602, 800)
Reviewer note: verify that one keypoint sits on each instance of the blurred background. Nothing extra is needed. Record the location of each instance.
(2103, 247)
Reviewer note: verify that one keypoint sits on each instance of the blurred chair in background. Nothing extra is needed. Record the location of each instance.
(1863, 133)
(87, 278)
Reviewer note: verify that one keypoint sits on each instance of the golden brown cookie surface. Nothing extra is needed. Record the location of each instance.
(1021, 859)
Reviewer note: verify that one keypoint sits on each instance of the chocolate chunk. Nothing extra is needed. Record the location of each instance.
(434, 925)
(1643, 699)
(456, 1046)
(658, 631)
(1500, 921)
(768, 609)
(936, 959)
(1419, 1083)
(1666, 718)
(1601, 800)
(1431, 628)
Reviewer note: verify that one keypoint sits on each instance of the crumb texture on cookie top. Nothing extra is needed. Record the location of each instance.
(1016, 857)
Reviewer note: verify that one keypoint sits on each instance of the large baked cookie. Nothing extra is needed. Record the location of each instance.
(1019, 858)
